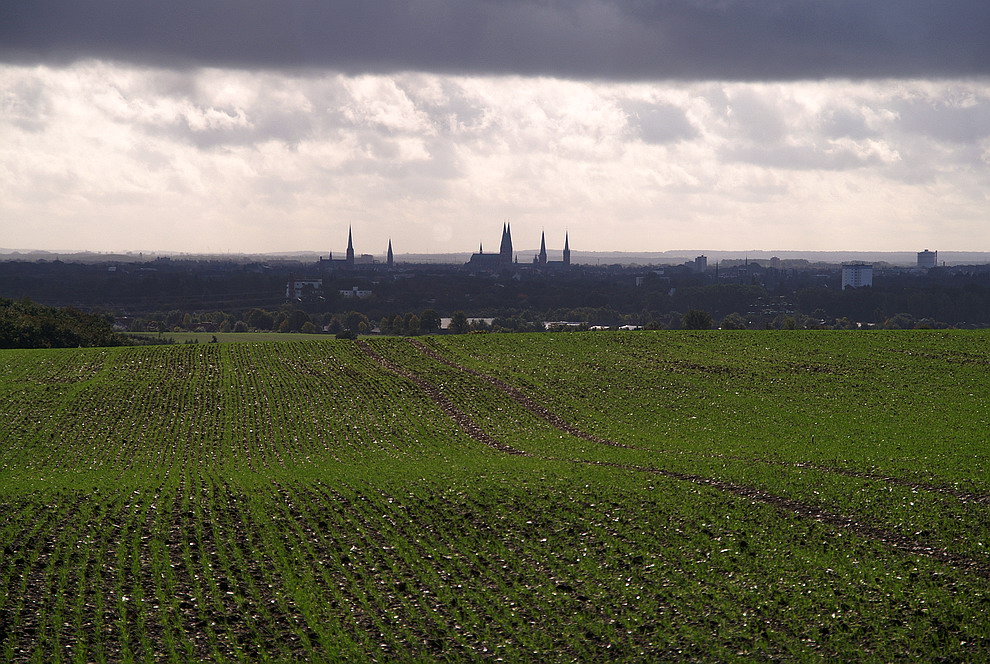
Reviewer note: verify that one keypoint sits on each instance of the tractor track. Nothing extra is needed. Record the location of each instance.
(460, 417)
(895, 541)
(554, 419)
(526, 402)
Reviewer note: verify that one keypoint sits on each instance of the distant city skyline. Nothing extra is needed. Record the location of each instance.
(274, 128)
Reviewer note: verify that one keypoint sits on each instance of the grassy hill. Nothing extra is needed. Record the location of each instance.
(554, 497)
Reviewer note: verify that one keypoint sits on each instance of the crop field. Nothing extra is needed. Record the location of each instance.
(646, 496)
(227, 337)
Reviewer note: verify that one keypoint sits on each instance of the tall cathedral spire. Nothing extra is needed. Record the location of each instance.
(543, 248)
(389, 258)
(350, 247)
(567, 250)
(505, 250)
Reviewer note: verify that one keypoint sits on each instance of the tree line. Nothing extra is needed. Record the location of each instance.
(26, 324)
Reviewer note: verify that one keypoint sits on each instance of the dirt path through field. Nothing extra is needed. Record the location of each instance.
(554, 419)
(896, 541)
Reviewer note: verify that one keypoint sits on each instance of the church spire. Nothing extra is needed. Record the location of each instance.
(350, 247)
(505, 250)
(389, 258)
(567, 249)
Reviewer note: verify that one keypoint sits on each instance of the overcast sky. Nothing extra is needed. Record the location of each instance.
(258, 126)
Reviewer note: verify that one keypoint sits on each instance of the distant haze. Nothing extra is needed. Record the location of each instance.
(675, 257)
(261, 126)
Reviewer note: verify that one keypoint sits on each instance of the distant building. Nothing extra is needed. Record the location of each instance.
(298, 289)
(856, 275)
(565, 324)
(927, 259)
(501, 260)
(352, 261)
(348, 260)
(540, 260)
(700, 263)
(355, 294)
(774, 263)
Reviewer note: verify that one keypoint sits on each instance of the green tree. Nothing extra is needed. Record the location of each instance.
(899, 322)
(173, 318)
(352, 319)
(459, 323)
(733, 322)
(697, 319)
(259, 319)
(24, 324)
(412, 324)
(429, 321)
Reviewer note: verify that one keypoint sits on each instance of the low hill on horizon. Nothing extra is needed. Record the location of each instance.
(669, 257)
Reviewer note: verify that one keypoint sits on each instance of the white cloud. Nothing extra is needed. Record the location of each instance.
(100, 156)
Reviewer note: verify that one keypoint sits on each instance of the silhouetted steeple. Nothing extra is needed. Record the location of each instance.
(350, 247)
(389, 259)
(543, 248)
(567, 250)
(505, 250)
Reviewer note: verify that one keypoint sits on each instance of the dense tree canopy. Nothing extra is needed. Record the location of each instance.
(25, 324)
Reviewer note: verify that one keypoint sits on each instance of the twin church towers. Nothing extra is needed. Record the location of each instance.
(505, 258)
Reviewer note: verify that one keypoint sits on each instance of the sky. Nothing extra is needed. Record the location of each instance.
(260, 126)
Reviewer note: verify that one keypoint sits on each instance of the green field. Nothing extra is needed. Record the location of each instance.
(647, 496)
(226, 337)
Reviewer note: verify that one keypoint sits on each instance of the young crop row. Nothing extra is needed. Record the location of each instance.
(242, 406)
(252, 502)
(949, 522)
(535, 561)
(904, 404)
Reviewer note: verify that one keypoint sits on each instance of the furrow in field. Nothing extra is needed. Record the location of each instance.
(180, 575)
(894, 540)
(466, 423)
(557, 421)
(258, 550)
(889, 538)
(327, 555)
(356, 569)
(526, 402)
(428, 600)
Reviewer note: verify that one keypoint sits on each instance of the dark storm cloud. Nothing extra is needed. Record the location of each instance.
(621, 39)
